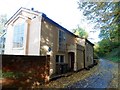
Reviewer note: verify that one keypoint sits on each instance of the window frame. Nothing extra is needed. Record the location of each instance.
(23, 22)
(61, 40)
(59, 59)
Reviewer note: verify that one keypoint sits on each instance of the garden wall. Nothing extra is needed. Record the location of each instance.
(26, 69)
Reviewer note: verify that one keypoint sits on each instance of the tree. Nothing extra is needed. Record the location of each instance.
(106, 15)
(3, 19)
(80, 32)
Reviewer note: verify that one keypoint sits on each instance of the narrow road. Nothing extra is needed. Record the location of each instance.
(101, 79)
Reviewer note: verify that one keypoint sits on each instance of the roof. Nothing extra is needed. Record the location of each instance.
(18, 12)
(45, 18)
(43, 15)
(89, 42)
(57, 25)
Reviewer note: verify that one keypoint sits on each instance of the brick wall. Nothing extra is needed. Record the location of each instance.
(26, 69)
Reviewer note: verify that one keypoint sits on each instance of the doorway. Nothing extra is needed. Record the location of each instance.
(71, 60)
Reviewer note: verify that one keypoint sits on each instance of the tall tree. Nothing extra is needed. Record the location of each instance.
(106, 15)
(80, 32)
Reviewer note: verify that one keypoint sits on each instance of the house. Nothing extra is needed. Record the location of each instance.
(30, 32)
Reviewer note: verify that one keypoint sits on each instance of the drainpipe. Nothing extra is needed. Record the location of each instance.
(75, 63)
(27, 37)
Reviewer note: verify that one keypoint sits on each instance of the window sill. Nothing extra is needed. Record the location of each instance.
(18, 48)
(59, 62)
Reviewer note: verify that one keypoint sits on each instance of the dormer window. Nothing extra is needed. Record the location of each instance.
(18, 37)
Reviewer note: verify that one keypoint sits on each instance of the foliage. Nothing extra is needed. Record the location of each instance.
(3, 19)
(106, 15)
(114, 55)
(80, 32)
(12, 74)
(96, 51)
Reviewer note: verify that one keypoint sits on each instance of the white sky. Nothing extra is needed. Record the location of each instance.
(64, 12)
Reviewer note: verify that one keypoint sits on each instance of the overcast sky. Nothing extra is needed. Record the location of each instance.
(64, 12)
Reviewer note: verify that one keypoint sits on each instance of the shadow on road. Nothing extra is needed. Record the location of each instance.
(102, 78)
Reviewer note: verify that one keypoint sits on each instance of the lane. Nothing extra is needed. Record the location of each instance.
(100, 79)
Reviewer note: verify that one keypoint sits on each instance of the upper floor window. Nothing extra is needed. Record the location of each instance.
(18, 38)
(62, 40)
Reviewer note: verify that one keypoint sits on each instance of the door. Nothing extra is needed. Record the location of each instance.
(71, 59)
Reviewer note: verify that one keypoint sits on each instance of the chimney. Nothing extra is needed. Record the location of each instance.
(32, 9)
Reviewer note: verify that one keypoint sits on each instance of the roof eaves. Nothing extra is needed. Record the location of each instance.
(17, 12)
(89, 42)
(43, 15)
(56, 24)
(12, 16)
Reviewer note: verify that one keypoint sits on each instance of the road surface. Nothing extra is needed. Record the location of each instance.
(101, 79)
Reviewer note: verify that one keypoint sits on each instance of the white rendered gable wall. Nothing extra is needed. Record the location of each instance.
(9, 39)
(31, 37)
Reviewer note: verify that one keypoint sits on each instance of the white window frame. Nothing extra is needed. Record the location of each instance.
(19, 23)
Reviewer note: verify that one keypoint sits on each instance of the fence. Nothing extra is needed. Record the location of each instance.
(26, 69)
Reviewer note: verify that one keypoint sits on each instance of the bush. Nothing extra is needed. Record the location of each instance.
(12, 74)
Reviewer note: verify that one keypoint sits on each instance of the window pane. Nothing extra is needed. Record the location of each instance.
(62, 40)
(57, 58)
(18, 35)
(61, 58)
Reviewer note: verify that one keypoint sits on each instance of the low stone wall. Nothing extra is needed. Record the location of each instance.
(28, 70)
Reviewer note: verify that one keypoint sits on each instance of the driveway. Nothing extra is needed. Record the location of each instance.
(104, 77)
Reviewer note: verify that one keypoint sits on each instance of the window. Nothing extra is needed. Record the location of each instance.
(18, 37)
(62, 41)
(59, 58)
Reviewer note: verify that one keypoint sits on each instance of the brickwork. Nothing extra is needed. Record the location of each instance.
(27, 68)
